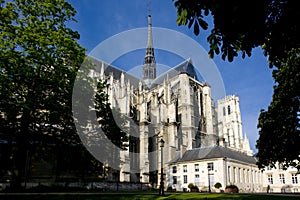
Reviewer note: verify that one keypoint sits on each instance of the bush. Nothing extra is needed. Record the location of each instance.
(193, 188)
(218, 185)
(231, 189)
(170, 189)
(190, 185)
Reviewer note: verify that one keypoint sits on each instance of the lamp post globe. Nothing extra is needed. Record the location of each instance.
(208, 170)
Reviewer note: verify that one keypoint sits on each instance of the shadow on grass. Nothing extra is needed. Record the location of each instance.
(229, 196)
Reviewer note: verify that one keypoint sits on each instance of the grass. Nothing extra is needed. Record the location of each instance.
(141, 196)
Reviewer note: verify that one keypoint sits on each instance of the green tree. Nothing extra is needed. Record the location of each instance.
(111, 121)
(39, 58)
(240, 26)
(279, 126)
(113, 125)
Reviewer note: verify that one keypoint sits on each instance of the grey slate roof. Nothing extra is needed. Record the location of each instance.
(213, 152)
(116, 72)
(184, 67)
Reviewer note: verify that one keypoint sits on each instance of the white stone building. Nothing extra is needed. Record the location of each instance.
(279, 180)
(206, 166)
(179, 109)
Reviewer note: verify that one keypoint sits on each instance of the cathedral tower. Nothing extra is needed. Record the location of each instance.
(149, 68)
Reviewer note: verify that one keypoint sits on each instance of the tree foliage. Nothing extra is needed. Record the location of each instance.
(279, 126)
(240, 26)
(111, 121)
(39, 59)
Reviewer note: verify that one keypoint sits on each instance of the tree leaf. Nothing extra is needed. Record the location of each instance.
(203, 23)
(196, 28)
(191, 21)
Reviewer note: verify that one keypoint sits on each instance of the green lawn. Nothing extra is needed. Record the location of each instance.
(136, 195)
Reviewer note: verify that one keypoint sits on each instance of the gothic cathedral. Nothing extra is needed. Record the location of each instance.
(175, 107)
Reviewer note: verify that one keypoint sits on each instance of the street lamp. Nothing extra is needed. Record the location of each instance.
(208, 169)
(161, 188)
(103, 170)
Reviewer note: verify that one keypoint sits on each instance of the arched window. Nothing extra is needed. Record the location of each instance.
(224, 111)
(228, 108)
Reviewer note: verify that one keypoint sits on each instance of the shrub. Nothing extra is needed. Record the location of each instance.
(190, 185)
(193, 188)
(231, 189)
(218, 185)
(169, 189)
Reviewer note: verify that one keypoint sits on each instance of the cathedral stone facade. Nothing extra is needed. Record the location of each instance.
(175, 107)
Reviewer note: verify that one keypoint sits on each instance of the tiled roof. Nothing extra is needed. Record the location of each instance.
(214, 152)
(184, 67)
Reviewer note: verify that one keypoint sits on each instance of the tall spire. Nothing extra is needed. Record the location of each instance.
(149, 68)
(149, 43)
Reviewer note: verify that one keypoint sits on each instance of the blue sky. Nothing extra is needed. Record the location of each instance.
(249, 78)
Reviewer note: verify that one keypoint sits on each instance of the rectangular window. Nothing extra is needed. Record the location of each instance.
(248, 175)
(234, 174)
(270, 179)
(210, 166)
(185, 179)
(281, 178)
(184, 168)
(197, 179)
(228, 172)
(228, 140)
(239, 175)
(174, 180)
(196, 167)
(294, 179)
(174, 169)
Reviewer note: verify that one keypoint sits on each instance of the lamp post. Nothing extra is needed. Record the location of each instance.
(208, 169)
(103, 170)
(161, 188)
(226, 170)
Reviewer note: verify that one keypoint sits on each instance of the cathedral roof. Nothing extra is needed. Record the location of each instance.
(114, 71)
(214, 152)
(186, 67)
(117, 74)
